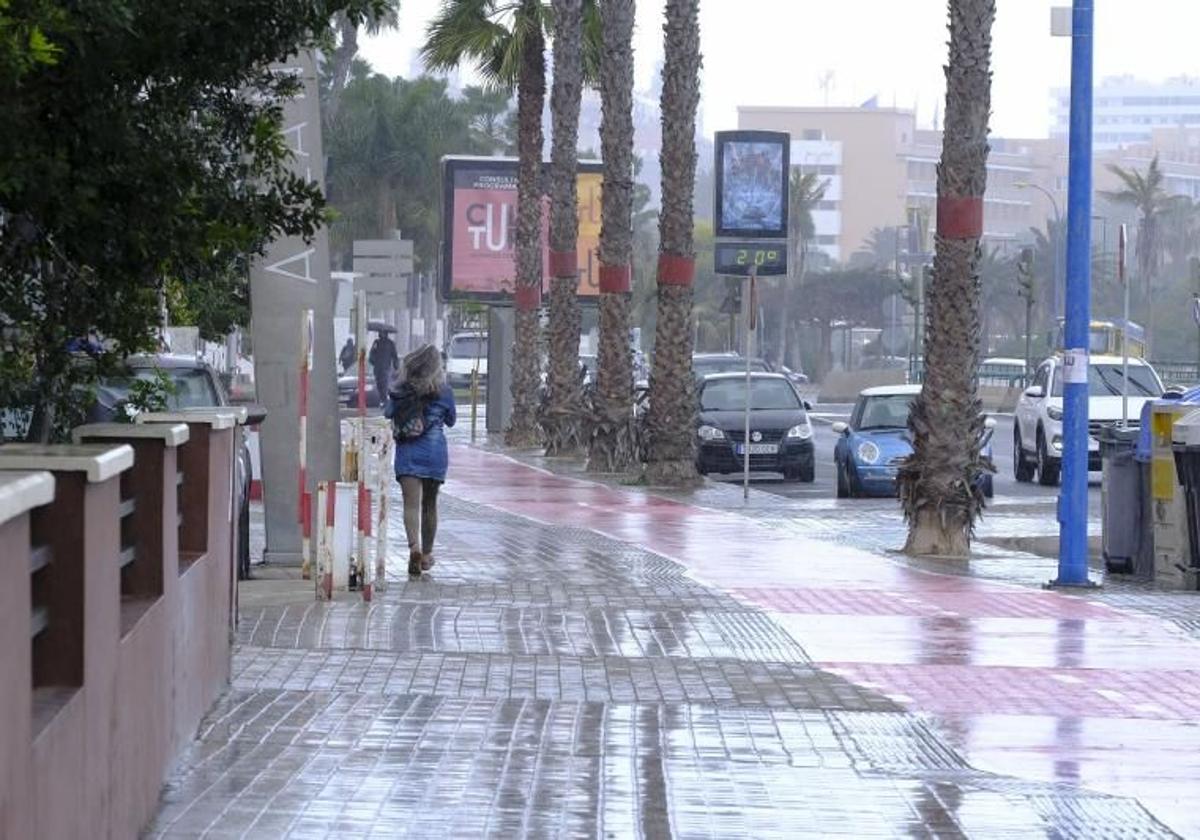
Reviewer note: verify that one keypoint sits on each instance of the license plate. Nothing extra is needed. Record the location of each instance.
(759, 449)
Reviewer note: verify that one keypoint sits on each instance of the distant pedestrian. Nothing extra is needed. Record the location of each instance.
(383, 360)
(349, 355)
(420, 407)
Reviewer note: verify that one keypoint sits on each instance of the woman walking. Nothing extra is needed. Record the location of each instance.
(419, 408)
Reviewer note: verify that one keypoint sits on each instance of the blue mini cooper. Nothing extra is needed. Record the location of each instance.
(876, 441)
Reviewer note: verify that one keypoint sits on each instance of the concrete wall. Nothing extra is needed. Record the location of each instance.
(84, 751)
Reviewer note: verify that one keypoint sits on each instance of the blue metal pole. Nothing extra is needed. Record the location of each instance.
(1073, 503)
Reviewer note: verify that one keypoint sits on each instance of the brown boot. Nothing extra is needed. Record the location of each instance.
(414, 563)
(426, 562)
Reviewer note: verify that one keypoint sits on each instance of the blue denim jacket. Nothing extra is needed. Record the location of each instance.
(427, 456)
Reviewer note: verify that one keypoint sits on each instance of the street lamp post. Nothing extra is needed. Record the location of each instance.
(1059, 302)
(1073, 503)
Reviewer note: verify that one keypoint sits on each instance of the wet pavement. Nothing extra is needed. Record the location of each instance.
(589, 660)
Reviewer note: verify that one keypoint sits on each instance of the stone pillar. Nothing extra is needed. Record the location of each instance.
(294, 275)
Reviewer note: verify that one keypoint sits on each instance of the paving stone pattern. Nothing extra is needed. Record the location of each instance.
(550, 682)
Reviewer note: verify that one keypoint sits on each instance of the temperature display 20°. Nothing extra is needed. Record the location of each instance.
(739, 258)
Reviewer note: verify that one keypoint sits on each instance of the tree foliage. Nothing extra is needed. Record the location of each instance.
(142, 143)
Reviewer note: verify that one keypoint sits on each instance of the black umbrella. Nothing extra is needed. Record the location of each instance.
(380, 327)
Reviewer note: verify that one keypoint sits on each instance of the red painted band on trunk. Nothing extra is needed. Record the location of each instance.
(256, 490)
(528, 298)
(676, 271)
(306, 514)
(615, 279)
(330, 502)
(960, 218)
(564, 264)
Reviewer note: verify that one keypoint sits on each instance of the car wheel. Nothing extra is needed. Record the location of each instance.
(1047, 468)
(843, 486)
(1023, 468)
(806, 473)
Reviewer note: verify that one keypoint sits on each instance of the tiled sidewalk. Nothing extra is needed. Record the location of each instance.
(585, 661)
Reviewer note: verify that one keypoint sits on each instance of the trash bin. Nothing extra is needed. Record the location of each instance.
(1121, 498)
(1185, 439)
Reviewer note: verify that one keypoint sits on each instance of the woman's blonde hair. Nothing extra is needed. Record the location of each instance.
(423, 370)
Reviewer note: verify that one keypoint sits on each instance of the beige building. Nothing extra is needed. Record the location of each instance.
(886, 174)
(881, 172)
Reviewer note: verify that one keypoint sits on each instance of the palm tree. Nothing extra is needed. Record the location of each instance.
(563, 409)
(506, 41)
(489, 108)
(343, 55)
(612, 445)
(805, 190)
(1145, 193)
(671, 444)
(938, 487)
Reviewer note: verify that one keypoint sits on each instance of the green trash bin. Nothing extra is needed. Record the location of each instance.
(1121, 498)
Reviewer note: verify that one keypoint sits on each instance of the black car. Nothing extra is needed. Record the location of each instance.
(196, 385)
(347, 386)
(781, 437)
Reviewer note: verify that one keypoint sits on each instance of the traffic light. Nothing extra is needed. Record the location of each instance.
(1025, 274)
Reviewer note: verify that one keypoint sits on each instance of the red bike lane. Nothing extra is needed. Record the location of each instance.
(1039, 685)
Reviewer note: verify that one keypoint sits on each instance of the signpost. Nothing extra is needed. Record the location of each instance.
(751, 224)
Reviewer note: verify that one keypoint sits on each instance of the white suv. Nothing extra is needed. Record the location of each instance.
(1037, 429)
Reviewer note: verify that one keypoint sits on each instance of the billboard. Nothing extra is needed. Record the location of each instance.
(479, 225)
(752, 184)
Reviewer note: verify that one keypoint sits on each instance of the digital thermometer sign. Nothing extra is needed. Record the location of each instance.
(737, 258)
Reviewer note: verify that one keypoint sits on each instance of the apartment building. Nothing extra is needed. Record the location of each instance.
(1128, 111)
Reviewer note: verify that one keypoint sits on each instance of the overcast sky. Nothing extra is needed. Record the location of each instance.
(774, 52)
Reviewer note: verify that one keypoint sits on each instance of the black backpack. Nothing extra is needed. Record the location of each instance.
(408, 417)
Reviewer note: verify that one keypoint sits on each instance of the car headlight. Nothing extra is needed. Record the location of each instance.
(868, 452)
(1054, 413)
(801, 432)
(710, 433)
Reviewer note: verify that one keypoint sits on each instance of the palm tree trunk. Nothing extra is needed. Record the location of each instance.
(531, 93)
(671, 420)
(343, 60)
(612, 436)
(938, 487)
(561, 416)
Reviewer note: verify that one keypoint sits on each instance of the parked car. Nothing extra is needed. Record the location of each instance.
(347, 386)
(796, 376)
(876, 441)
(781, 437)
(1037, 430)
(709, 364)
(196, 385)
(464, 351)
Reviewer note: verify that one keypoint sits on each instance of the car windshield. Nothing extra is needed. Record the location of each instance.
(193, 387)
(765, 395)
(885, 411)
(468, 347)
(1106, 381)
(731, 364)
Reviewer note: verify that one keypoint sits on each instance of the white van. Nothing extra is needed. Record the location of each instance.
(464, 351)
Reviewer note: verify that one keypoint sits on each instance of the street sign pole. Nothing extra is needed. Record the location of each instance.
(751, 312)
(1073, 502)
